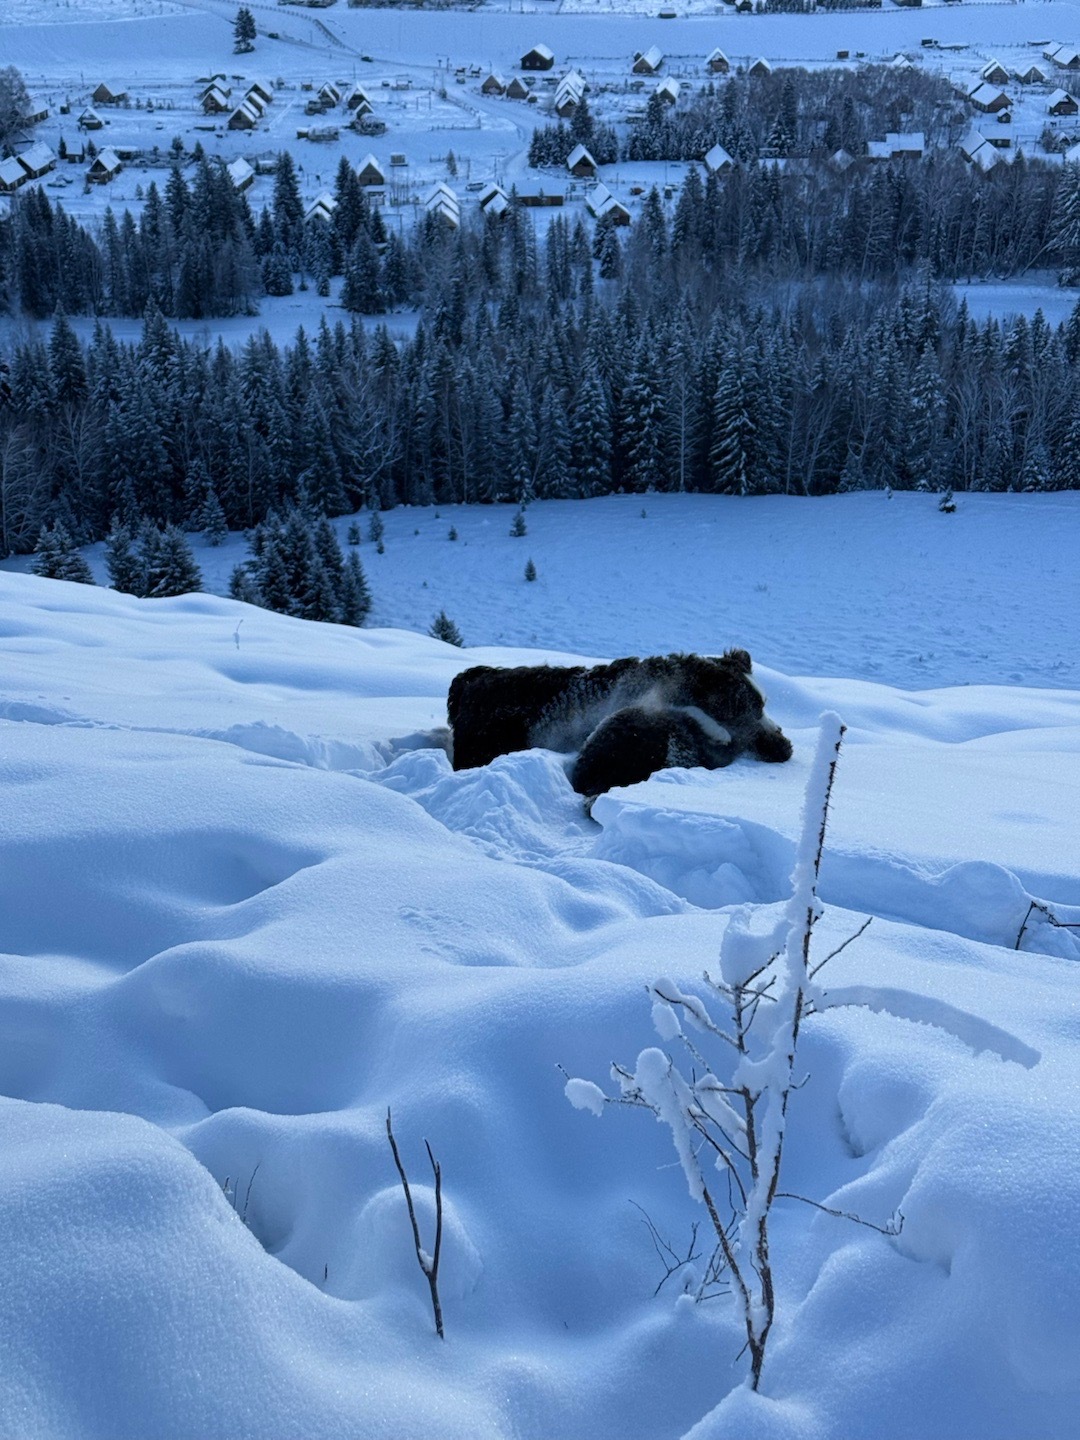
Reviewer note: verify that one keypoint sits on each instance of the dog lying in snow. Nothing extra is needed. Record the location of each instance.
(627, 719)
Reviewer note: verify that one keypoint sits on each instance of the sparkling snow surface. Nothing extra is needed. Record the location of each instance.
(246, 906)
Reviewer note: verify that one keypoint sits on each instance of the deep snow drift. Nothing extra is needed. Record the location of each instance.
(245, 906)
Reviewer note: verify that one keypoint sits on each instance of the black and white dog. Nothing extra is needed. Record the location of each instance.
(627, 719)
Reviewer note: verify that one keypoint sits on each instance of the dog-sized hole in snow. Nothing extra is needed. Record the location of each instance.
(626, 719)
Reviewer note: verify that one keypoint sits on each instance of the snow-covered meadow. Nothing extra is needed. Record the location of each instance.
(247, 906)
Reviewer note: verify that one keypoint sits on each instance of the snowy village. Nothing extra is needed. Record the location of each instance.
(540, 719)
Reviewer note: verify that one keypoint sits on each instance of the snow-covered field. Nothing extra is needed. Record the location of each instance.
(246, 906)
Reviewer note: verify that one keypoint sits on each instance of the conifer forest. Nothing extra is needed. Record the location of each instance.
(782, 328)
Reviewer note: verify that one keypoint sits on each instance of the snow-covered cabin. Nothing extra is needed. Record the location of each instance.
(969, 143)
(517, 89)
(35, 112)
(109, 92)
(600, 201)
(718, 63)
(329, 94)
(264, 89)
(541, 196)
(91, 120)
(1072, 155)
(216, 100)
(356, 95)
(493, 199)
(1065, 57)
(493, 84)
(667, 90)
(897, 147)
(442, 201)
(12, 176)
(568, 93)
(649, 61)
(989, 98)
(370, 172)
(254, 100)
(241, 174)
(321, 208)
(244, 117)
(760, 66)
(540, 57)
(1033, 75)
(73, 151)
(581, 164)
(37, 161)
(994, 73)
(1060, 102)
(104, 167)
(718, 161)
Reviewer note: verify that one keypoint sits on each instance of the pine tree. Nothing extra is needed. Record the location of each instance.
(733, 427)
(443, 628)
(376, 526)
(244, 31)
(124, 567)
(355, 595)
(352, 535)
(56, 557)
(212, 520)
(530, 571)
(518, 527)
(170, 566)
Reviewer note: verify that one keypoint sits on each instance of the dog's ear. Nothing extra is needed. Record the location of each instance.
(740, 659)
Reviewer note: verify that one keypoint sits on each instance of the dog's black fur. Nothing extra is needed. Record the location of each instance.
(495, 711)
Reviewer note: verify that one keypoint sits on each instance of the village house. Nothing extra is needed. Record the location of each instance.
(244, 117)
(536, 196)
(370, 172)
(91, 120)
(718, 63)
(36, 111)
(1033, 75)
(330, 95)
(760, 66)
(538, 58)
(668, 90)
(109, 93)
(37, 161)
(1065, 57)
(241, 174)
(897, 147)
(12, 176)
(989, 98)
(263, 89)
(73, 151)
(649, 62)
(517, 89)
(1060, 102)
(600, 201)
(568, 94)
(321, 208)
(442, 201)
(994, 73)
(581, 164)
(493, 199)
(104, 167)
(215, 101)
(355, 97)
(718, 161)
(493, 85)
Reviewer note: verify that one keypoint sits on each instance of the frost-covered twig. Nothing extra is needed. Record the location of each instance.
(738, 1117)
(892, 1226)
(1050, 917)
(429, 1264)
(841, 947)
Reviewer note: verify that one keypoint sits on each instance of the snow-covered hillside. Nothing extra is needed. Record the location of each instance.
(246, 906)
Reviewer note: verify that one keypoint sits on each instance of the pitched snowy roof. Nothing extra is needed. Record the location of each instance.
(650, 59)
(106, 160)
(577, 155)
(668, 89)
(572, 83)
(441, 197)
(38, 157)
(968, 144)
(542, 50)
(987, 95)
(718, 158)
(716, 54)
(240, 172)
(369, 163)
(1057, 96)
(11, 173)
(1072, 155)
(489, 192)
(322, 207)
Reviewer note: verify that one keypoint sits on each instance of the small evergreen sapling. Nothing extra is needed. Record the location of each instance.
(56, 557)
(352, 535)
(518, 527)
(443, 628)
(530, 571)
